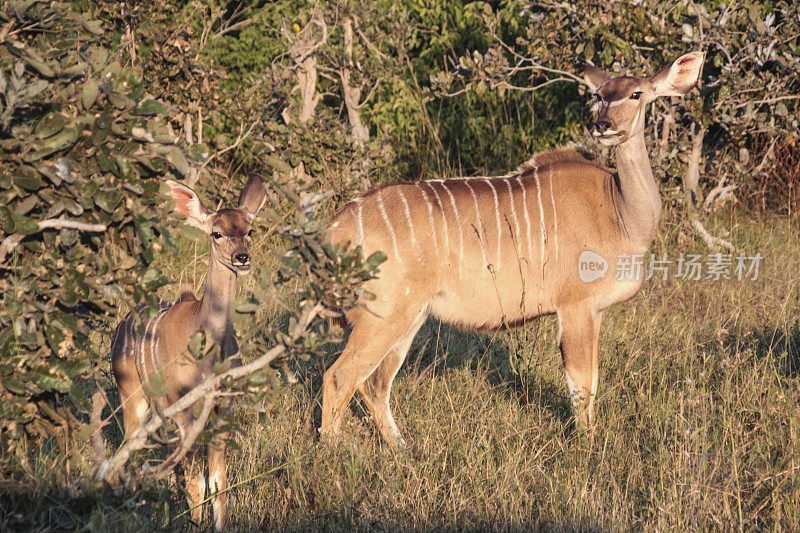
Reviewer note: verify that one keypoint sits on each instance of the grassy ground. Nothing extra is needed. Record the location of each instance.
(697, 425)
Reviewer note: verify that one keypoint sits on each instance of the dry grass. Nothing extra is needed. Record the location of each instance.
(697, 425)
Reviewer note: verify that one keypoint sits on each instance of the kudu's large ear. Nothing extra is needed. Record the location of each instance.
(594, 76)
(678, 78)
(188, 203)
(253, 195)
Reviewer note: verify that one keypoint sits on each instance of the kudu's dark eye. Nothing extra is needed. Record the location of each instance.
(250, 233)
(216, 234)
(636, 95)
(598, 97)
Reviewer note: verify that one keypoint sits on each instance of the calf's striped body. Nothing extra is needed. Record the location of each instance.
(483, 253)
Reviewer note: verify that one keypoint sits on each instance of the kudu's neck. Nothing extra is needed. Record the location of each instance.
(218, 296)
(640, 205)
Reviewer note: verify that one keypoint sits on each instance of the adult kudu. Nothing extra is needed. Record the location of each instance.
(483, 252)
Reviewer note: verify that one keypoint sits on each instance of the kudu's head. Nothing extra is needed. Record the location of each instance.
(229, 229)
(622, 101)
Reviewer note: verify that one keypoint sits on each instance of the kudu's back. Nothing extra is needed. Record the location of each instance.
(481, 252)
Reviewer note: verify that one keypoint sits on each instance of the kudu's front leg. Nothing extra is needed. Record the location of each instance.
(580, 336)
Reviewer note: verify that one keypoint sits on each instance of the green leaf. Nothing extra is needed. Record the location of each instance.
(40, 67)
(155, 386)
(29, 182)
(49, 125)
(108, 201)
(25, 225)
(50, 382)
(13, 385)
(89, 93)
(149, 107)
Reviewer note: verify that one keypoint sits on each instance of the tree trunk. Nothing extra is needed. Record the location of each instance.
(352, 95)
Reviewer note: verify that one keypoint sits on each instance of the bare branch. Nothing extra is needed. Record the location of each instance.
(720, 194)
(769, 100)
(368, 42)
(13, 240)
(239, 140)
(530, 89)
(187, 439)
(713, 243)
(536, 65)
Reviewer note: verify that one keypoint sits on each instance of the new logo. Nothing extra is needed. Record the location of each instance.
(591, 266)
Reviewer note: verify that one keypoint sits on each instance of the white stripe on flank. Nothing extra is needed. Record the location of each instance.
(527, 218)
(360, 224)
(414, 242)
(480, 229)
(129, 335)
(513, 213)
(125, 338)
(133, 348)
(358, 227)
(430, 218)
(541, 209)
(139, 343)
(142, 359)
(389, 225)
(475, 201)
(444, 216)
(154, 338)
(497, 220)
(458, 221)
(555, 217)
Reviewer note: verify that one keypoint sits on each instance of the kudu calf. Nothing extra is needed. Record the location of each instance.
(485, 252)
(162, 349)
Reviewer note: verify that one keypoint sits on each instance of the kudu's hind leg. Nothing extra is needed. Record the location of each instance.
(580, 334)
(195, 485)
(218, 477)
(370, 342)
(376, 389)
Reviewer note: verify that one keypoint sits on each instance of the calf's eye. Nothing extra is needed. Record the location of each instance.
(636, 95)
(216, 234)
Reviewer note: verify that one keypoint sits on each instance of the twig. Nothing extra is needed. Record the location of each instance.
(719, 194)
(529, 89)
(187, 439)
(242, 136)
(11, 242)
(537, 66)
(713, 243)
(770, 153)
(769, 100)
(367, 41)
